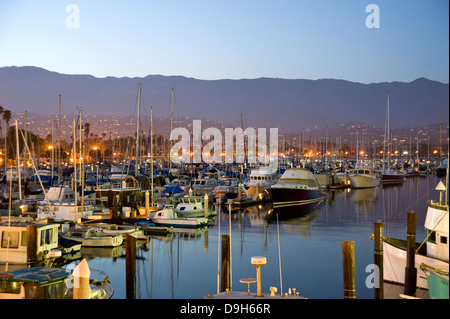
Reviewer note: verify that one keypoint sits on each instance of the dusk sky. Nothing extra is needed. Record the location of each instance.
(292, 39)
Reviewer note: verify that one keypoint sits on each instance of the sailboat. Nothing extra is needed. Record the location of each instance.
(389, 175)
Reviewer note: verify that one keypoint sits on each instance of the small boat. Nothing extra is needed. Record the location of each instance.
(93, 238)
(437, 281)
(169, 217)
(192, 206)
(46, 283)
(297, 186)
(68, 246)
(122, 230)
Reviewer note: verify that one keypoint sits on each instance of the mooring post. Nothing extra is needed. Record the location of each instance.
(225, 282)
(130, 251)
(378, 260)
(31, 245)
(410, 269)
(348, 254)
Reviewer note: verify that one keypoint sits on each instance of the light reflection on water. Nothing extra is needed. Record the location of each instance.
(185, 265)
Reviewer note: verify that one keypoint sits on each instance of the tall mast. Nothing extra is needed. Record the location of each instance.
(171, 124)
(59, 140)
(386, 133)
(136, 170)
(81, 162)
(151, 150)
(75, 169)
(18, 161)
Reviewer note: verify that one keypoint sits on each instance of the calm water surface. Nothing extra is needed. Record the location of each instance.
(185, 265)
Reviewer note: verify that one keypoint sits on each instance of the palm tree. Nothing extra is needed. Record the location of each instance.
(87, 129)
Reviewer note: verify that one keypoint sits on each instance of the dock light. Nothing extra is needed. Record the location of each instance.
(258, 262)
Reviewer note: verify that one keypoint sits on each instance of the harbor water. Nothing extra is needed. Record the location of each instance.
(307, 245)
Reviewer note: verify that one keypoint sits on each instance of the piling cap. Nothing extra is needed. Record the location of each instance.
(82, 270)
(258, 261)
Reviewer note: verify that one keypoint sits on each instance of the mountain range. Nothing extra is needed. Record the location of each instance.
(290, 105)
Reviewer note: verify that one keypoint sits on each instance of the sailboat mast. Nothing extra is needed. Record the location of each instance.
(81, 163)
(59, 140)
(18, 161)
(137, 132)
(75, 183)
(151, 150)
(171, 124)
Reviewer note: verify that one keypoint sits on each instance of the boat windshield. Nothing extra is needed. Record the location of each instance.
(298, 181)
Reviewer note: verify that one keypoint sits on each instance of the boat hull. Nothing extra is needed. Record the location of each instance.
(284, 197)
(181, 222)
(392, 178)
(363, 181)
(437, 286)
(394, 263)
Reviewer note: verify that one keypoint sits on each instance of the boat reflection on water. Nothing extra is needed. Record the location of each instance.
(293, 211)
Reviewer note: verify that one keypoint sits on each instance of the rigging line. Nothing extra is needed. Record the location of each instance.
(407, 208)
(429, 233)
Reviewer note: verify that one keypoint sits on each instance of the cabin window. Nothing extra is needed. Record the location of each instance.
(23, 239)
(46, 236)
(432, 237)
(10, 239)
(444, 240)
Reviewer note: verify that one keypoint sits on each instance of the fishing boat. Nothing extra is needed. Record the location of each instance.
(297, 186)
(92, 237)
(204, 185)
(192, 206)
(14, 241)
(263, 176)
(433, 253)
(61, 205)
(363, 176)
(169, 217)
(46, 283)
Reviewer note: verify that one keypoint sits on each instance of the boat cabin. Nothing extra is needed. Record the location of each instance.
(436, 224)
(14, 244)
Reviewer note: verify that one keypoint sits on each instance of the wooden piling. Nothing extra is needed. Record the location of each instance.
(130, 254)
(31, 245)
(226, 275)
(410, 269)
(378, 260)
(206, 203)
(348, 254)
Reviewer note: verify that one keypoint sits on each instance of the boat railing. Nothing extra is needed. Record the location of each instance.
(437, 204)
